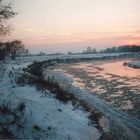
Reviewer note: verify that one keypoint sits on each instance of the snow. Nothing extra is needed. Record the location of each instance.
(65, 56)
(69, 122)
(134, 64)
(58, 120)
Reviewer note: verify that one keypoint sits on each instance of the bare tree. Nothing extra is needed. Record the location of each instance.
(16, 48)
(6, 12)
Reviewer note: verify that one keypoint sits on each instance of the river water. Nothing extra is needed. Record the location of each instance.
(116, 84)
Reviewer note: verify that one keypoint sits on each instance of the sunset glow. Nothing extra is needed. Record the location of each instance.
(62, 25)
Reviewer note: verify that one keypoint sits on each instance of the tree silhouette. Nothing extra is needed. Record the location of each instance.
(6, 12)
(16, 48)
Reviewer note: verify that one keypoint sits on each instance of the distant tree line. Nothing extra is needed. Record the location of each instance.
(125, 48)
(12, 49)
(89, 50)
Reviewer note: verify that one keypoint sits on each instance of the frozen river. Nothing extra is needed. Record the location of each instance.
(116, 84)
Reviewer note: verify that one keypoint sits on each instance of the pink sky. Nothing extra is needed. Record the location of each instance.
(62, 25)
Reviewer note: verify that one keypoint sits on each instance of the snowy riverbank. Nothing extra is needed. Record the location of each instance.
(41, 111)
(43, 115)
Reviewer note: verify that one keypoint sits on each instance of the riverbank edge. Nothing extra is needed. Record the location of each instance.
(53, 63)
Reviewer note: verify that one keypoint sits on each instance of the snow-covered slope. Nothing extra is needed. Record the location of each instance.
(43, 116)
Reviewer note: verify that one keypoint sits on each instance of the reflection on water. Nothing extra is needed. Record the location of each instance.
(117, 68)
(109, 68)
(112, 81)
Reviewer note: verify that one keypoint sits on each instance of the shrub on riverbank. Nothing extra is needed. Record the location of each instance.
(11, 119)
